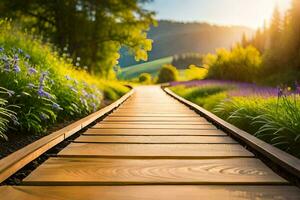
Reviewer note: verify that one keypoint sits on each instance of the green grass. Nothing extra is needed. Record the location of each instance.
(272, 119)
(40, 88)
(149, 67)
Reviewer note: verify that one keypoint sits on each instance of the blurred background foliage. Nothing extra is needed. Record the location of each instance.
(93, 31)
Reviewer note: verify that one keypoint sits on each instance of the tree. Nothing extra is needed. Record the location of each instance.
(167, 73)
(245, 41)
(93, 30)
(275, 30)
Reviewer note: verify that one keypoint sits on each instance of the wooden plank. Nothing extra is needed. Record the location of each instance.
(15, 161)
(114, 114)
(96, 171)
(285, 160)
(155, 126)
(157, 139)
(154, 192)
(145, 132)
(154, 119)
(157, 123)
(179, 151)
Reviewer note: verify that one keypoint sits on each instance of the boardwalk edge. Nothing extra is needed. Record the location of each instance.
(288, 162)
(15, 161)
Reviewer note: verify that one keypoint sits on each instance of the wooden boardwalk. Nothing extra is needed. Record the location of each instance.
(153, 147)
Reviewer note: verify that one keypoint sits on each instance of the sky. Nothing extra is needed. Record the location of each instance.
(251, 13)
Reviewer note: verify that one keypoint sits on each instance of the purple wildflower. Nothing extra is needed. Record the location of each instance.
(16, 69)
(42, 93)
(1, 49)
(6, 67)
(43, 116)
(16, 57)
(32, 70)
(27, 56)
(56, 106)
(20, 51)
(94, 106)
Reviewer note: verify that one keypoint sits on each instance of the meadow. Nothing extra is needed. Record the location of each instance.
(41, 87)
(271, 114)
(152, 68)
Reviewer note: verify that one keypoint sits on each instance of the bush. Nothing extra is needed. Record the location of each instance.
(167, 73)
(239, 64)
(194, 73)
(145, 78)
(44, 87)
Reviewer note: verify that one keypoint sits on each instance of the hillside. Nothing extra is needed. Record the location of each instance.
(151, 67)
(172, 38)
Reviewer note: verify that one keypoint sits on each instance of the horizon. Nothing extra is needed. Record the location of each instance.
(213, 12)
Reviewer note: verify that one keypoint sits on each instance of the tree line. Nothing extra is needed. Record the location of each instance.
(90, 32)
(279, 43)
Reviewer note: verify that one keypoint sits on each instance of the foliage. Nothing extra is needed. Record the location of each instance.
(6, 115)
(183, 61)
(270, 114)
(280, 44)
(93, 31)
(195, 73)
(145, 78)
(45, 88)
(239, 64)
(167, 73)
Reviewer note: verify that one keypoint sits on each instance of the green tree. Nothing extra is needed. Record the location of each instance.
(167, 73)
(93, 30)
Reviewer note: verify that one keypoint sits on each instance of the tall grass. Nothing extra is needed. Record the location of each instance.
(46, 87)
(274, 119)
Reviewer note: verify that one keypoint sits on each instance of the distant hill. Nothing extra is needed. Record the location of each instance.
(151, 67)
(172, 38)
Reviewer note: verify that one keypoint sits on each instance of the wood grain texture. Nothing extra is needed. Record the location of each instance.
(157, 123)
(146, 132)
(162, 192)
(153, 115)
(285, 160)
(154, 119)
(96, 171)
(156, 126)
(178, 151)
(157, 139)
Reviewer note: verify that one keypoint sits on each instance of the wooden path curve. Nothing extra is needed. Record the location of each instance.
(153, 147)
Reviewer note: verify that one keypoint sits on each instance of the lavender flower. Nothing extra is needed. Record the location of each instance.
(16, 69)
(32, 70)
(1, 49)
(42, 93)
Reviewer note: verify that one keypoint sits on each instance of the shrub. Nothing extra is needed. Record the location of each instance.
(145, 78)
(46, 88)
(239, 64)
(195, 73)
(167, 73)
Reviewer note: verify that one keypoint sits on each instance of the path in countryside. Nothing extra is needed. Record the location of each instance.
(153, 147)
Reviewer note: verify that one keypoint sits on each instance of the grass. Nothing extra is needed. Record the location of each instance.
(149, 67)
(42, 87)
(273, 119)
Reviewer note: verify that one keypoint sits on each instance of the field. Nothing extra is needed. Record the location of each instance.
(271, 114)
(149, 67)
